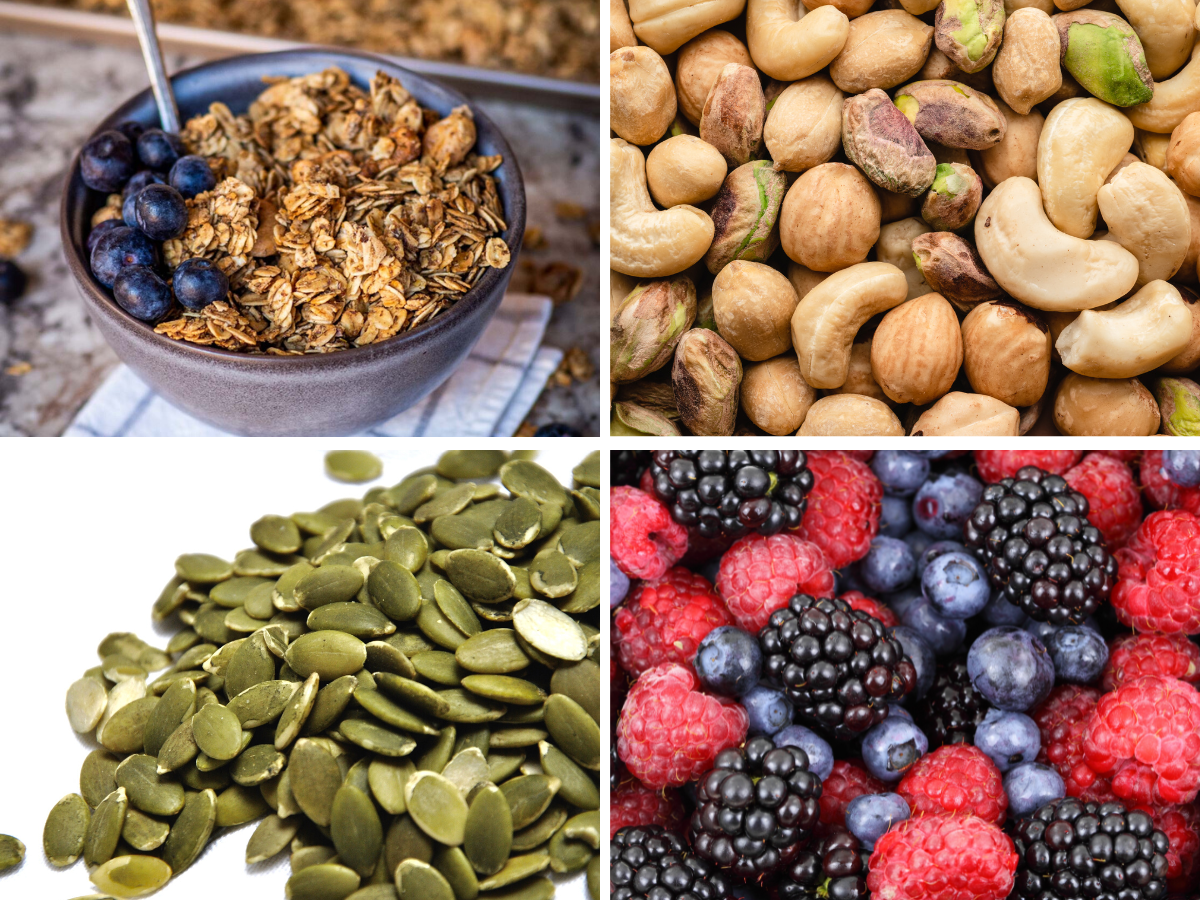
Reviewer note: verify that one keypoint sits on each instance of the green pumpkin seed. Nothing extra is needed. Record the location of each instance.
(492, 652)
(276, 534)
(143, 832)
(412, 492)
(502, 764)
(505, 689)
(462, 465)
(577, 788)
(314, 855)
(552, 574)
(383, 658)
(387, 779)
(575, 732)
(330, 704)
(468, 709)
(353, 466)
(66, 829)
(550, 631)
(257, 764)
(524, 715)
(328, 584)
(438, 628)
(587, 503)
(584, 826)
(262, 703)
(182, 641)
(533, 836)
(588, 471)
(314, 523)
(407, 547)
(405, 841)
(296, 711)
(202, 568)
(233, 593)
(252, 664)
(260, 602)
(376, 738)
(530, 889)
(330, 654)
(508, 738)
(445, 503)
(518, 868)
(567, 855)
(518, 525)
(355, 830)
(522, 590)
(257, 564)
(480, 575)
(195, 780)
(438, 755)
(461, 532)
(456, 609)
(217, 732)
(326, 881)
(416, 880)
(362, 621)
(283, 595)
(147, 790)
(131, 876)
(375, 892)
(394, 591)
(315, 779)
(437, 807)
(125, 731)
(581, 543)
(178, 750)
(580, 682)
(439, 667)
(210, 624)
(386, 711)
(118, 667)
(169, 599)
(453, 865)
(237, 805)
(270, 838)
(525, 478)
(528, 796)
(241, 622)
(104, 829)
(86, 702)
(472, 737)
(488, 832)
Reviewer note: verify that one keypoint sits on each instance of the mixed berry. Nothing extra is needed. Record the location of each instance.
(906, 675)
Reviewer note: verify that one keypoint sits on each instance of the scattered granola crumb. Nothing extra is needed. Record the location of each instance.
(534, 239)
(559, 281)
(21, 368)
(575, 366)
(14, 237)
(527, 429)
(565, 209)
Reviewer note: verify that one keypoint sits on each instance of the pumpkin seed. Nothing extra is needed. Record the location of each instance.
(313, 855)
(439, 667)
(530, 889)
(330, 704)
(86, 702)
(178, 702)
(492, 652)
(193, 779)
(406, 841)
(252, 664)
(503, 764)
(104, 829)
(438, 755)
(178, 750)
(257, 764)
(488, 831)
(505, 689)
(283, 595)
(466, 708)
(577, 787)
(574, 731)
(436, 806)
(466, 770)
(169, 599)
(210, 624)
(202, 568)
(270, 838)
(453, 865)
(362, 621)
(326, 881)
(407, 547)
(461, 532)
(480, 575)
(508, 738)
(65, 831)
(567, 855)
(237, 805)
(182, 641)
(445, 503)
(257, 564)
(296, 711)
(528, 796)
(260, 602)
(120, 695)
(355, 830)
(518, 525)
(385, 710)
(587, 502)
(125, 731)
(328, 584)
(157, 795)
(461, 465)
(412, 492)
(353, 466)
(131, 876)
(552, 574)
(217, 732)
(376, 738)
(233, 593)
(262, 703)
(416, 880)
(387, 779)
(593, 878)
(588, 471)
(315, 779)
(143, 832)
(549, 630)
(330, 654)
(382, 658)
(472, 737)
(518, 868)
(276, 534)
(533, 836)
(394, 591)
(580, 682)
(455, 608)
(584, 826)
(375, 892)
(438, 628)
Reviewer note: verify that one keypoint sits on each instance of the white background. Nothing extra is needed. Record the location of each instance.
(90, 531)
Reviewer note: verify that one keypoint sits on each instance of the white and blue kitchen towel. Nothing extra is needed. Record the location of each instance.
(491, 393)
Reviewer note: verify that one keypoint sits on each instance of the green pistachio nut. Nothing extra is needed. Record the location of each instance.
(631, 420)
(952, 267)
(1103, 53)
(706, 317)
(953, 198)
(952, 114)
(880, 140)
(648, 324)
(706, 376)
(745, 215)
(969, 31)
(1179, 403)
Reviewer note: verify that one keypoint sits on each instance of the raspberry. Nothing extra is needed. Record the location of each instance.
(1158, 576)
(1163, 493)
(943, 858)
(617, 686)
(760, 574)
(635, 804)
(1129, 457)
(664, 620)
(997, 464)
(1114, 503)
(1146, 735)
(843, 507)
(1134, 656)
(670, 733)
(645, 542)
(957, 778)
(846, 781)
(860, 601)
(1062, 720)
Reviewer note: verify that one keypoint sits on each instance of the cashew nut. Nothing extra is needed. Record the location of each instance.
(788, 42)
(684, 169)
(1148, 216)
(1040, 265)
(620, 29)
(646, 242)
(666, 25)
(1166, 29)
(1097, 407)
(641, 95)
(829, 316)
(968, 415)
(1139, 335)
(850, 415)
(1151, 148)
(1173, 100)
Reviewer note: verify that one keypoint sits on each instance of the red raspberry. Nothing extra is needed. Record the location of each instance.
(942, 857)
(645, 540)
(635, 804)
(1146, 735)
(1158, 575)
(956, 778)
(1114, 503)
(997, 464)
(846, 781)
(760, 574)
(669, 733)
(666, 619)
(843, 507)
(618, 686)
(1163, 493)
(1129, 457)
(1136, 655)
(1062, 720)
(861, 455)
(860, 601)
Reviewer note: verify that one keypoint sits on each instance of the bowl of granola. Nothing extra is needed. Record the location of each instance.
(364, 217)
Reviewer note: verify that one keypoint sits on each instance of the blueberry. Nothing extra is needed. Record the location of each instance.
(918, 650)
(888, 566)
(745, 892)
(557, 429)
(1000, 612)
(956, 585)
(1009, 738)
(106, 162)
(1030, 786)
(12, 281)
(934, 549)
(192, 175)
(850, 579)
(1043, 630)
(895, 517)
(820, 754)
(944, 636)
(944, 503)
(119, 248)
(931, 454)
(198, 282)
(158, 149)
(100, 231)
(618, 582)
(142, 179)
(900, 472)
(1078, 652)
(142, 294)
(895, 709)
(132, 130)
(902, 600)
(768, 710)
(870, 816)
(1182, 467)
(729, 661)
(892, 747)
(160, 212)
(1011, 668)
(918, 541)
(709, 569)
(128, 211)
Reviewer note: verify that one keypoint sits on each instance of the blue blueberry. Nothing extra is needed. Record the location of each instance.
(119, 248)
(892, 747)
(1000, 612)
(192, 175)
(768, 710)
(923, 659)
(1182, 467)
(900, 472)
(198, 282)
(142, 179)
(1009, 738)
(729, 661)
(1030, 786)
(618, 581)
(944, 636)
(895, 517)
(128, 209)
(142, 294)
(1011, 668)
(870, 816)
(160, 212)
(850, 579)
(888, 566)
(931, 454)
(1043, 630)
(1079, 654)
(934, 549)
(820, 754)
(895, 709)
(100, 231)
(158, 149)
(106, 162)
(956, 585)
(944, 503)
(900, 601)
(709, 569)
(12, 281)
(132, 130)
(918, 541)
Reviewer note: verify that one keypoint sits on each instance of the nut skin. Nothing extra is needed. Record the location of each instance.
(641, 95)
(850, 415)
(969, 31)
(632, 420)
(745, 215)
(1100, 407)
(775, 396)
(917, 350)
(968, 415)
(953, 268)
(1016, 154)
(647, 325)
(753, 306)
(1189, 358)
(952, 114)
(706, 377)
(1027, 68)
(698, 64)
(1006, 352)
(953, 198)
(1183, 155)
(884, 49)
(804, 124)
(884, 144)
(1103, 53)
(734, 113)
(1179, 406)
(830, 218)
(683, 169)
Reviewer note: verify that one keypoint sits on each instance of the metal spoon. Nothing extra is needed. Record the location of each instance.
(143, 21)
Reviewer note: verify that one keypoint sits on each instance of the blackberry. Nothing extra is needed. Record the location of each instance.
(628, 465)
(839, 666)
(952, 709)
(835, 868)
(755, 809)
(733, 492)
(1069, 849)
(1033, 535)
(649, 862)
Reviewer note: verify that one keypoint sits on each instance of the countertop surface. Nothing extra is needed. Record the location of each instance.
(54, 91)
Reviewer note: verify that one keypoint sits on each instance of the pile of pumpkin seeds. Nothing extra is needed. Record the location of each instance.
(404, 689)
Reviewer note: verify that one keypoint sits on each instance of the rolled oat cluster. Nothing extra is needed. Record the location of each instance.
(970, 217)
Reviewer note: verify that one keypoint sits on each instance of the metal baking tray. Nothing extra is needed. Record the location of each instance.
(554, 93)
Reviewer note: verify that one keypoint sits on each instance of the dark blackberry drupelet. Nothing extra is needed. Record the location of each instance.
(838, 665)
(755, 809)
(1070, 850)
(834, 868)
(627, 466)
(652, 863)
(733, 492)
(1033, 535)
(952, 709)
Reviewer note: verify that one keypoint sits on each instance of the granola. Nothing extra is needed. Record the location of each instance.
(14, 237)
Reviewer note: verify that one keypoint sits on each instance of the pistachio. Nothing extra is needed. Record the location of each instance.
(734, 113)
(1179, 404)
(969, 31)
(706, 375)
(953, 269)
(632, 420)
(648, 324)
(745, 215)
(884, 144)
(952, 114)
(953, 198)
(1104, 54)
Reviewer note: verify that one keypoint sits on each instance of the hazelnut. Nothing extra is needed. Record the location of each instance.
(1006, 352)
(775, 396)
(917, 350)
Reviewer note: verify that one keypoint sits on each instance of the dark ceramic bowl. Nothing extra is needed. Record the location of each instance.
(333, 393)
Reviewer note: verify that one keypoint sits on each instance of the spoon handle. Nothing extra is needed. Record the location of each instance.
(143, 21)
